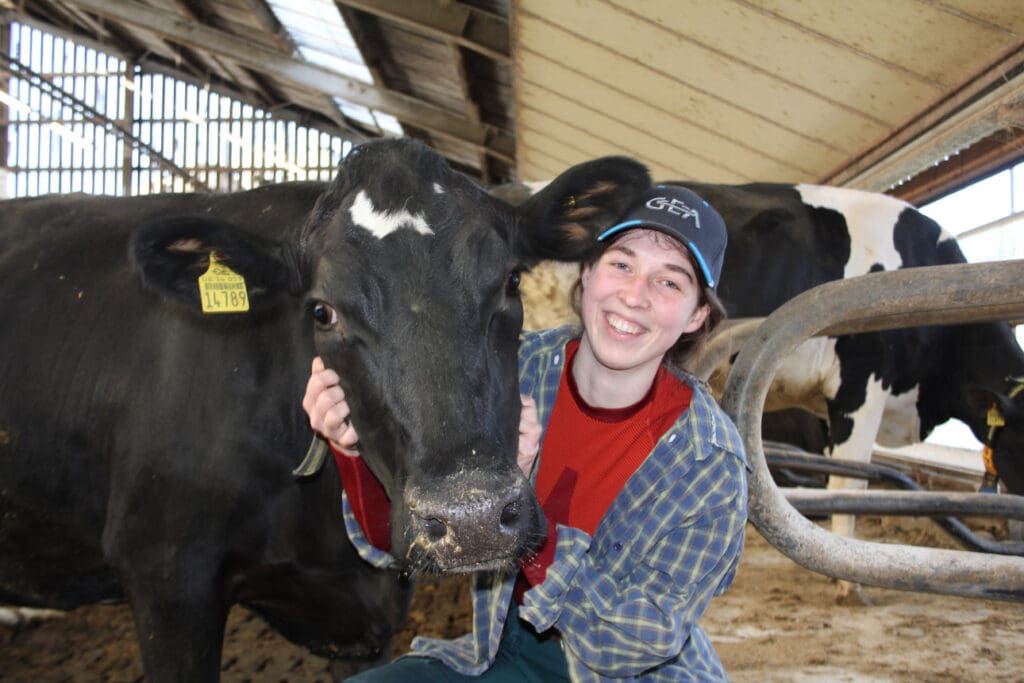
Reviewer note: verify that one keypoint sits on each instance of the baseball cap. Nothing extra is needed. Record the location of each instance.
(682, 214)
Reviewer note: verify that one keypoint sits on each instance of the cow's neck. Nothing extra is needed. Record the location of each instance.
(985, 355)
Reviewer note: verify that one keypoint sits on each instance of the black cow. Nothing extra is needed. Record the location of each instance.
(147, 449)
(785, 239)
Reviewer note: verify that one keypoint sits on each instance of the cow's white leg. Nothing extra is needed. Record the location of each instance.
(857, 448)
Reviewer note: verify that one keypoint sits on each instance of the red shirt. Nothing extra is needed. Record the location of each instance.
(596, 451)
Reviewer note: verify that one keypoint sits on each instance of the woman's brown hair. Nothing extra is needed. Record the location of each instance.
(687, 343)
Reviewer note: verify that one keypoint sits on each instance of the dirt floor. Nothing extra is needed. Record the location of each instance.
(778, 623)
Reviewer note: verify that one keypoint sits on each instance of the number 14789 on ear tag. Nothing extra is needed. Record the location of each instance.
(222, 290)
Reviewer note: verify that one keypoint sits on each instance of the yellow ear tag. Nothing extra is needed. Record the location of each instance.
(994, 417)
(222, 290)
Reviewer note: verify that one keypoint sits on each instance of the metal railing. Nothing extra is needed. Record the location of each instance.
(933, 295)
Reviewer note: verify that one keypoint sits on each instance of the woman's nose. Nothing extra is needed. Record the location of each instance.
(635, 293)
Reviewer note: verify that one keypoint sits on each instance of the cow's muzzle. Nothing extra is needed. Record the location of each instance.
(468, 523)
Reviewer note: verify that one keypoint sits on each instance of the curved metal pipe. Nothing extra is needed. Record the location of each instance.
(790, 457)
(915, 296)
(727, 339)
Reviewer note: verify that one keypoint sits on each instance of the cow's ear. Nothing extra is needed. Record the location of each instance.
(172, 254)
(563, 220)
(983, 400)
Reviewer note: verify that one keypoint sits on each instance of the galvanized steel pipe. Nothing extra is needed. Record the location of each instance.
(931, 295)
(928, 503)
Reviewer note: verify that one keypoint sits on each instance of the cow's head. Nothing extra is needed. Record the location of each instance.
(1004, 430)
(410, 271)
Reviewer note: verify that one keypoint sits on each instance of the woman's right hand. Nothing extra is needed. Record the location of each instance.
(328, 411)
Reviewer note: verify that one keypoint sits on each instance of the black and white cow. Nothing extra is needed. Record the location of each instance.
(147, 448)
(895, 386)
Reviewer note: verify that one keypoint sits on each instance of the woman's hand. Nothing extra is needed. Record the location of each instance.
(529, 435)
(328, 411)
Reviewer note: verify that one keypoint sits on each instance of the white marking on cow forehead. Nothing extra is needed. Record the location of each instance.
(438, 189)
(382, 224)
(870, 218)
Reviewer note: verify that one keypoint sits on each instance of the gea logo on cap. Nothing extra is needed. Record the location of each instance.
(674, 207)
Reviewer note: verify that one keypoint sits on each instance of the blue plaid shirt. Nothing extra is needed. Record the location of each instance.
(625, 601)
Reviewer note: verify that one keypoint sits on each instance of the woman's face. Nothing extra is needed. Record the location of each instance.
(638, 299)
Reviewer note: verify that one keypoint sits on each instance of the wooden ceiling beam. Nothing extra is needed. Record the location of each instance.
(271, 62)
(447, 21)
(269, 21)
(68, 16)
(199, 11)
(471, 107)
(990, 101)
(365, 32)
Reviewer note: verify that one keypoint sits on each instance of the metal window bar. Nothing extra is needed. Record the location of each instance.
(99, 125)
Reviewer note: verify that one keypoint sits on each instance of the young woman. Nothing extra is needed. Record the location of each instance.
(641, 475)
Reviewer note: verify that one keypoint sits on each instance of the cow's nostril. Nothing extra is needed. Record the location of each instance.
(436, 529)
(510, 514)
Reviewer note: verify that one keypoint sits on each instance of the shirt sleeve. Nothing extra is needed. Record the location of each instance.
(623, 626)
(367, 499)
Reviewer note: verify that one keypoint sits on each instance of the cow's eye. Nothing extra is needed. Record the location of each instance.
(512, 283)
(324, 314)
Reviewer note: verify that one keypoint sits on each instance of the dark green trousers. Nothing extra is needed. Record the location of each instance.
(522, 656)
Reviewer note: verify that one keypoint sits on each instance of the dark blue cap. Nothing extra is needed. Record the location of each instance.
(682, 214)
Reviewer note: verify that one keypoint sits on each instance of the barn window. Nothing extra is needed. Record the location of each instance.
(82, 120)
(985, 216)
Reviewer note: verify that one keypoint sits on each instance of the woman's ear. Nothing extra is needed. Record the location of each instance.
(697, 318)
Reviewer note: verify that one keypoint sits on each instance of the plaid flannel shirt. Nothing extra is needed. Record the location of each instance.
(626, 601)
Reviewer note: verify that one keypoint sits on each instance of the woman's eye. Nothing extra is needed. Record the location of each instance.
(512, 283)
(324, 314)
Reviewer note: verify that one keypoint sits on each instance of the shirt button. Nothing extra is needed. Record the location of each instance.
(616, 546)
(671, 438)
(557, 359)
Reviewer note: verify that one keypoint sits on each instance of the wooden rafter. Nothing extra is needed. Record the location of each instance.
(282, 66)
(448, 21)
(198, 10)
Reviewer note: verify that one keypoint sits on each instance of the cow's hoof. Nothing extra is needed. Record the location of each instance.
(18, 617)
(852, 595)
